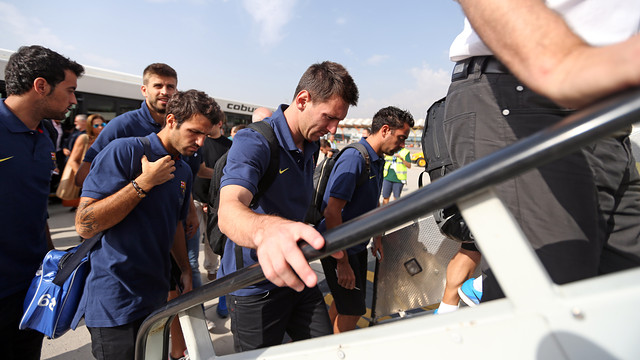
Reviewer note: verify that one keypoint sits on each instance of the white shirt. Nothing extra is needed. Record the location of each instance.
(597, 22)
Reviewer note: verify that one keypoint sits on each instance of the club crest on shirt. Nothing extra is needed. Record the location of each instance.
(183, 186)
(53, 156)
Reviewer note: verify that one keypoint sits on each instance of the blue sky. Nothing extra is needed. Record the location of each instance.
(254, 50)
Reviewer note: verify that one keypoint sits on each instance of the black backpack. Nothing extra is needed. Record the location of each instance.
(439, 163)
(434, 144)
(321, 178)
(217, 239)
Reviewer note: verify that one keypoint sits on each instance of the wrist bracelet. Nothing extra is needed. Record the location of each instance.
(138, 189)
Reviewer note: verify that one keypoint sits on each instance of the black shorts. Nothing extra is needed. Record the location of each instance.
(469, 246)
(261, 320)
(348, 302)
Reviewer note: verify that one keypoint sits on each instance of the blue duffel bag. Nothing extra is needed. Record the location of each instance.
(55, 291)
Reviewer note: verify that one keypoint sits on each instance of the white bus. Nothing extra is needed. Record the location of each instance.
(111, 93)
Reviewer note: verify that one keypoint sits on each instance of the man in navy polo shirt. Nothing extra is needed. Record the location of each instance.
(159, 82)
(138, 199)
(40, 84)
(262, 313)
(344, 200)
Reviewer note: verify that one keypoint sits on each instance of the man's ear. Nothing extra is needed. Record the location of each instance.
(302, 99)
(170, 121)
(385, 130)
(41, 86)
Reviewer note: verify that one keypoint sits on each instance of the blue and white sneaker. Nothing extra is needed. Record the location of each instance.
(468, 294)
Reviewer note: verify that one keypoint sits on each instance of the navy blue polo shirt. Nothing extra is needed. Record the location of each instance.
(26, 162)
(129, 275)
(342, 185)
(290, 194)
(132, 123)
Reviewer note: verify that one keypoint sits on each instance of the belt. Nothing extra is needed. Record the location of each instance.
(483, 64)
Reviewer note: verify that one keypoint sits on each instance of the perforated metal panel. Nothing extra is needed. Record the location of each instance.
(419, 243)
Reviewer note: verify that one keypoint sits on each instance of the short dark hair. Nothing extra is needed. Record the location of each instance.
(391, 116)
(185, 104)
(159, 69)
(326, 79)
(32, 62)
(238, 127)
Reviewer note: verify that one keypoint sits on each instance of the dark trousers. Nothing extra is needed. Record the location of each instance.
(262, 320)
(17, 344)
(580, 213)
(113, 343)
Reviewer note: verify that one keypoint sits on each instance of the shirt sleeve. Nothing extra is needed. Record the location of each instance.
(247, 161)
(344, 176)
(112, 169)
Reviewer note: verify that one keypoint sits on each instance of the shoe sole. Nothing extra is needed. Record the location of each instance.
(467, 300)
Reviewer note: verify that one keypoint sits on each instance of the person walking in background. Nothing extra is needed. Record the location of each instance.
(80, 127)
(235, 129)
(40, 84)
(346, 198)
(395, 174)
(68, 191)
(260, 114)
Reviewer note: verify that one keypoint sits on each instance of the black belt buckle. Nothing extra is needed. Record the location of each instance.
(461, 70)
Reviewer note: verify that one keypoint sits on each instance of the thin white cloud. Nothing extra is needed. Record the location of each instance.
(24, 30)
(271, 16)
(341, 20)
(377, 59)
(429, 85)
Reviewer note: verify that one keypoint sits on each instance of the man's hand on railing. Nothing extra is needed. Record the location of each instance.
(282, 261)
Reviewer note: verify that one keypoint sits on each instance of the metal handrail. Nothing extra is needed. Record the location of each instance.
(575, 131)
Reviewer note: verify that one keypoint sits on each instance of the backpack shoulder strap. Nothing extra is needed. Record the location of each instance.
(267, 131)
(367, 161)
(146, 143)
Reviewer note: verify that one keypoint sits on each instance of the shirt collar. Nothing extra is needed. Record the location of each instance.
(283, 133)
(372, 154)
(147, 114)
(13, 123)
(158, 149)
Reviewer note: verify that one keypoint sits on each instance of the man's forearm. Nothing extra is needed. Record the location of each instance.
(94, 216)
(241, 224)
(538, 46)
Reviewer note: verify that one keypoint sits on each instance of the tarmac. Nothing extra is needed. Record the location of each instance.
(76, 345)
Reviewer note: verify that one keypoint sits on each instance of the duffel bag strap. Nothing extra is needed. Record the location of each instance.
(71, 260)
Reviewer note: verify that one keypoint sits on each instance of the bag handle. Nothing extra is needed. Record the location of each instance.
(70, 261)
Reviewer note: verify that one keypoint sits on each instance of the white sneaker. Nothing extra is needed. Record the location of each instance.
(211, 325)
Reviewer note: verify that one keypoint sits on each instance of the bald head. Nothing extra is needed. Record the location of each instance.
(260, 113)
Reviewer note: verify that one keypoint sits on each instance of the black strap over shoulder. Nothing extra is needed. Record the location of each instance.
(367, 161)
(146, 143)
(70, 261)
(274, 163)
